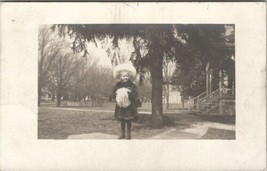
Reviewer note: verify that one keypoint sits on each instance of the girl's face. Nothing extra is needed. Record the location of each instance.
(124, 76)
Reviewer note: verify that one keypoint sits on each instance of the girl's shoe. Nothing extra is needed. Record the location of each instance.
(122, 135)
(128, 136)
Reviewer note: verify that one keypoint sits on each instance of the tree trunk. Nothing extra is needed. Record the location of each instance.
(167, 94)
(53, 97)
(59, 96)
(207, 78)
(58, 99)
(156, 76)
(182, 99)
(220, 83)
(210, 81)
(39, 93)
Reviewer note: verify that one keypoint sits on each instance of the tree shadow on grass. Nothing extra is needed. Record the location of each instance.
(214, 133)
(223, 119)
(184, 121)
(59, 124)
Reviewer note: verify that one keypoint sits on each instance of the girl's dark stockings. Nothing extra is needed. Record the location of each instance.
(123, 123)
(129, 127)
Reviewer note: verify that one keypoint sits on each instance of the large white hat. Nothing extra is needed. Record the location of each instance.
(128, 67)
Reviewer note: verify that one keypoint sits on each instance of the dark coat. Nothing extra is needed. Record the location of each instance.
(130, 112)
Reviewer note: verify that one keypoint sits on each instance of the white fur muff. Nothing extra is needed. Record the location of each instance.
(122, 97)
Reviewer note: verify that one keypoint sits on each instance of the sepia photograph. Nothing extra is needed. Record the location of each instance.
(133, 86)
(136, 81)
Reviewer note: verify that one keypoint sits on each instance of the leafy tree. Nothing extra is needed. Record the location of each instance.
(49, 48)
(99, 82)
(78, 82)
(145, 88)
(168, 70)
(189, 77)
(151, 42)
(206, 50)
(65, 67)
(157, 39)
(92, 81)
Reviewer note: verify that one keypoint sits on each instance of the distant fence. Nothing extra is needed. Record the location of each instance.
(164, 105)
(107, 103)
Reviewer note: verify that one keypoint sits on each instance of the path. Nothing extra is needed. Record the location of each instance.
(195, 132)
(95, 135)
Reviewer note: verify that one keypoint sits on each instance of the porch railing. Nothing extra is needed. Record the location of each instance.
(227, 93)
(195, 102)
(203, 98)
(214, 96)
(192, 103)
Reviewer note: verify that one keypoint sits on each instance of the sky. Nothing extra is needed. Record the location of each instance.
(99, 51)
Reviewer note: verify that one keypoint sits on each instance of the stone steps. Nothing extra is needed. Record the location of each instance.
(207, 106)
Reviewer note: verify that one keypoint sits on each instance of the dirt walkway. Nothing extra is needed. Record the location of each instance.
(72, 123)
(195, 132)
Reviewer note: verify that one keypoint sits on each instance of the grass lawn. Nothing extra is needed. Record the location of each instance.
(56, 123)
(59, 124)
(214, 133)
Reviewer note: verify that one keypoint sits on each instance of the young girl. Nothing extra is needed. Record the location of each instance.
(126, 97)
